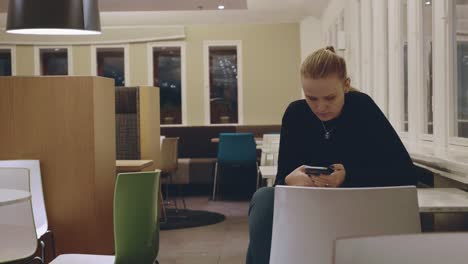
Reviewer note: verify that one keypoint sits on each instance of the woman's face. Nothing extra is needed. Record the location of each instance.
(325, 96)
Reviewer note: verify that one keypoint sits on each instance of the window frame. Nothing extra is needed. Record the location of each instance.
(126, 48)
(240, 98)
(37, 59)
(183, 65)
(13, 58)
(452, 78)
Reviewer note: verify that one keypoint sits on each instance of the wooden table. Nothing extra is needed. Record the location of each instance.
(132, 165)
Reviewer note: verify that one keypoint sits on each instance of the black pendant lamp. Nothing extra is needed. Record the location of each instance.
(53, 17)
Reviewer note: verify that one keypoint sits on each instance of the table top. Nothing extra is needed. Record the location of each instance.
(8, 196)
(132, 165)
(442, 200)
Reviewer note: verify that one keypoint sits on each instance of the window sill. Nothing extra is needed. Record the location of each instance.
(453, 165)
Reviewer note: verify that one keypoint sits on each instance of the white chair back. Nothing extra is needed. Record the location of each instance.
(270, 149)
(17, 230)
(14, 178)
(306, 220)
(37, 195)
(435, 248)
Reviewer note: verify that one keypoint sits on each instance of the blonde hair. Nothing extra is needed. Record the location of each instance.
(323, 63)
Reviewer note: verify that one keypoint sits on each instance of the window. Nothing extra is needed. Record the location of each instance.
(427, 65)
(223, 82)
(461, 70)
(53, 61)
(167, 75)
(111, 64)
(5, 62)
(404, 39)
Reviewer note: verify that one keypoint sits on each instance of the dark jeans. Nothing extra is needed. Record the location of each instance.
(260, 226)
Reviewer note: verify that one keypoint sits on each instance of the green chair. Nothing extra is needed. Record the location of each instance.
(136, 224)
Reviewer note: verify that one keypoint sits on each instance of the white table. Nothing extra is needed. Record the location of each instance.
(8, 196)
(442, 200)
(431, 200)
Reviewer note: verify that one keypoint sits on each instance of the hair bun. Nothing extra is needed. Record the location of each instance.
(330, 48)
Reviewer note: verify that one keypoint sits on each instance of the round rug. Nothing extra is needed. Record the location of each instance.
(189, 218)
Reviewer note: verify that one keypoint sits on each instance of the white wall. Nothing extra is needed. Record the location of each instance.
(374, 55)
(311, 36)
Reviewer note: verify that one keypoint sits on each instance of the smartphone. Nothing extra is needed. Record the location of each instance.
(316, 171)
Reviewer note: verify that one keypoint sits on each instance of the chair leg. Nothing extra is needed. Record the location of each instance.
(258, 174)
(43, 246)
(163, 209)
(52, 240)
(175, 198)
(180, 193)
(38, 259)
(214, 182)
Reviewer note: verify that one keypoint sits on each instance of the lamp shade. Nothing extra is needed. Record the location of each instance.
(53, 17)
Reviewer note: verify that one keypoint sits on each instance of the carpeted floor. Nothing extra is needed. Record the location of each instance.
(185, 218)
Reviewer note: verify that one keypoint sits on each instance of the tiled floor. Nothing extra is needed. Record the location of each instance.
(223, 243)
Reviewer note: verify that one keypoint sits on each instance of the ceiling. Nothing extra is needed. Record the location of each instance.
(308, 7)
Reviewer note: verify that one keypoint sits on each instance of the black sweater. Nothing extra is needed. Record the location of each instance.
(362, 140)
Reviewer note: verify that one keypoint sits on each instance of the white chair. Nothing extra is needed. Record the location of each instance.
(307, 220)
(270, 149)
(37, 197)
(435, 248)
(18, 239)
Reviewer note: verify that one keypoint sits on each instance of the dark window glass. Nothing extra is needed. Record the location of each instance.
(54, 61)
(223, 85)
(111, 64)
(462, 89)
(167, 76)
(5, 63)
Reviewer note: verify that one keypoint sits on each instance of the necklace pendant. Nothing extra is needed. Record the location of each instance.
(327, 135)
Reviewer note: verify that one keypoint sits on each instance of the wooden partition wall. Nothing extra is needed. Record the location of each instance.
(137, 120)
(68, 123)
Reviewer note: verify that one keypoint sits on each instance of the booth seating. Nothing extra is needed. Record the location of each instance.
(198, 155)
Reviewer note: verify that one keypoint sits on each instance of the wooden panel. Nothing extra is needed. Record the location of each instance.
(149, 125)
(68, 124)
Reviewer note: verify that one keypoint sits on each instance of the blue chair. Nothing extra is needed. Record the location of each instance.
(236, 150)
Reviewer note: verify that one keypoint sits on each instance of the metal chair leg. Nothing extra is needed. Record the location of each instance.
(52, 240)
(175, 198)
(42, 249)
(180, 194)
(258, 174)
(163, 210)
(38, 259)
(214, 183)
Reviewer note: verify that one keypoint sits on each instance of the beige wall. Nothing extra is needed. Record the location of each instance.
(271, 58)
(25, 60)
(81, 60)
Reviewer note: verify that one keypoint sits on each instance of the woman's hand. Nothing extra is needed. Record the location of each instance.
(334, 180)
(298, 177)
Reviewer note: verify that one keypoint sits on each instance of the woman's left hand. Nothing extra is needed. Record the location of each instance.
(333, 180)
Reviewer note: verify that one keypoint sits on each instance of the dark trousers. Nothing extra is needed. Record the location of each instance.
(260, 226)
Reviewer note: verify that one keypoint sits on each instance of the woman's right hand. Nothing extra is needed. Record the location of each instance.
(298, 177)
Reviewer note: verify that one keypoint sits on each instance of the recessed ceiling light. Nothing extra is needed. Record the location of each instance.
(428, 3)
(220, 7)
